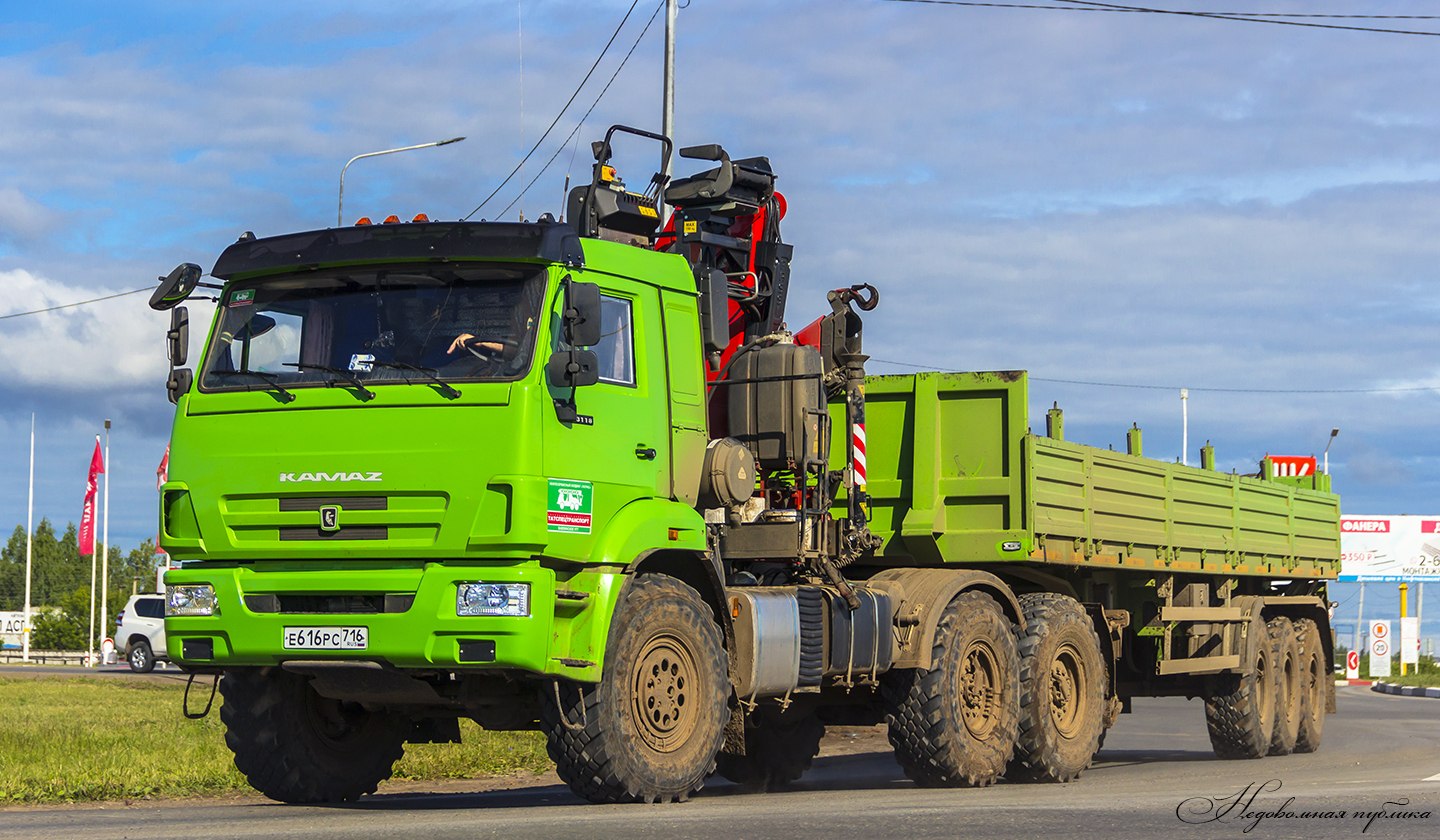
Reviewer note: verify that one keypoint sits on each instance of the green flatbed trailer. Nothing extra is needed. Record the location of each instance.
(530, 476)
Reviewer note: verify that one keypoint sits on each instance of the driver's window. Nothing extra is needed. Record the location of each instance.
(616, 350)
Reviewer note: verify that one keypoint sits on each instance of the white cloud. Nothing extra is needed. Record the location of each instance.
(108, 347)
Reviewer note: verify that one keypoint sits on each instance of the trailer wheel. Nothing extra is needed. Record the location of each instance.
(295, 746)
(955, 723)
(1313, 677)
(649, 731)
(1062, 691)
(1240, 710)
(779, 748)
(1290, 699)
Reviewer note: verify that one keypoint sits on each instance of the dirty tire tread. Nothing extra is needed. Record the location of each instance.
(603, 762)
(1288, 702)
(779, 749)
(1042, 754)
(1312, 706)
(931, 745)
(262, 731)
(1237, 727)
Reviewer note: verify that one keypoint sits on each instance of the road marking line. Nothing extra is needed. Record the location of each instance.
(1434, 778)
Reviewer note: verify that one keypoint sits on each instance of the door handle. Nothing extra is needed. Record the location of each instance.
(644, 453)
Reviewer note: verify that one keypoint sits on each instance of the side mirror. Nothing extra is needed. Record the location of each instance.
(175, 286)
(582, 314)
(573, 369)
(714, 289)
(177, 339)
(178, 383)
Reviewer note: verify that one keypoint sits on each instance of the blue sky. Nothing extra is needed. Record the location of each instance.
(1130, 199)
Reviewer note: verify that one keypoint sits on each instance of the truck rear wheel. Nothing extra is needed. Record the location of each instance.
(1313, 676)
(1062, 691)
(1290, 699)
(295, 746)
(955, 723)
(1240, 710)
(649, 731)
(779, 748)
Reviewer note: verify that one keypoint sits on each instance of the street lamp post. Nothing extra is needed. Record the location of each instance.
(340, 208)
(1333, 433)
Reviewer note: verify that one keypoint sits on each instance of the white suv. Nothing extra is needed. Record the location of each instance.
(140, 632)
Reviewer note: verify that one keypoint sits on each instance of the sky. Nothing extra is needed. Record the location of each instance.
(1121, 204)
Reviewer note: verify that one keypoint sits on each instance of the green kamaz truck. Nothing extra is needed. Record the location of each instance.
(579, 476)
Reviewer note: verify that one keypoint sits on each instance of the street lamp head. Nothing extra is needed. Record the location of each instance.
(1334, 432)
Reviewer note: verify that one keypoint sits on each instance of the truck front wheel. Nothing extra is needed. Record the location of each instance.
(649, 731)
(1062, 691)
(955, 723)
(295, 746)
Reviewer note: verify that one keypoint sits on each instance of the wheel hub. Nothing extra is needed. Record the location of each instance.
(664, 675)
(979, 690)
(1067, 679)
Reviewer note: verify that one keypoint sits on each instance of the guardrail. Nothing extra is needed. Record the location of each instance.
(46, 657)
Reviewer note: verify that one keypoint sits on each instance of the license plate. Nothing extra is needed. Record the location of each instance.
(326, 638)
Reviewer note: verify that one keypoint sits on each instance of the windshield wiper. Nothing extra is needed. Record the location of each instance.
(429, 373)
(365, 393)
(270, 379)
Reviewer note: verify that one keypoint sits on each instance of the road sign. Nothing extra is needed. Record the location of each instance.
(1410, 640)
(1380, 645)
(1352, 665)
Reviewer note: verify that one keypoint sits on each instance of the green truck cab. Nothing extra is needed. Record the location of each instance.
(581, 477)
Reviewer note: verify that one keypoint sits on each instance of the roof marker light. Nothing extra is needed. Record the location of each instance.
(420, 217)
(362, 221)
(391, 219)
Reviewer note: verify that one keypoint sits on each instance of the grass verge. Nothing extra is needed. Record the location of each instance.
(69, 740)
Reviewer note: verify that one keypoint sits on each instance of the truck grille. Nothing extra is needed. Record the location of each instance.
(337, 604)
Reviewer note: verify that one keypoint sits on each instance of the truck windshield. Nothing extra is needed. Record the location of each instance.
(376, 325)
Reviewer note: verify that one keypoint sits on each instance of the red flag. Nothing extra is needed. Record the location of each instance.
(87, 515)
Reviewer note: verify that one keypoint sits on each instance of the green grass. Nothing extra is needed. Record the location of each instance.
(67, 740)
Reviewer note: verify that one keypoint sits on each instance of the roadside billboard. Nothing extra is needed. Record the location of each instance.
(12, 628)
(1389, 548)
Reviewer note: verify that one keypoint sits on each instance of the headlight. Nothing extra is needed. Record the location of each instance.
(493, 599)
(191, 600)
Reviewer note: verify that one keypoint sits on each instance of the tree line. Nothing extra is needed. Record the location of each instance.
(60, 584)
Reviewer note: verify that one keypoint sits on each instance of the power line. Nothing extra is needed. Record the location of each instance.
(1136, 386)
(555, 121)
(586, 116)
(1281, 19)
(77, 303)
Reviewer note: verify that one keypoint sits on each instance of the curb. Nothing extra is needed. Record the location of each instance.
(1354, 682)
(1405, 690)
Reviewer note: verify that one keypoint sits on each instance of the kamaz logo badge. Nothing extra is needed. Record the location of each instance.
(329, 518)
(329, 477)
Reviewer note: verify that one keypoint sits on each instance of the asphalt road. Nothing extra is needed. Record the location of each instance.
(1381, 754)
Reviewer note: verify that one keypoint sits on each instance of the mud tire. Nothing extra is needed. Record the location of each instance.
(1241, 710)
(1062, 691)
(954, 724)
(649, 731)
(1313, 678)
(297, 747)
(779, 748)
(1288, 703)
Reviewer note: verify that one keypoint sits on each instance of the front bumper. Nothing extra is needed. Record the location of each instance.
(427, 634)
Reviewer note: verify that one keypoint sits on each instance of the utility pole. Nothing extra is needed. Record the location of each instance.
(105, 550)
(29, 539)
(1184, 426)
(1360, 618)
(667, 112)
